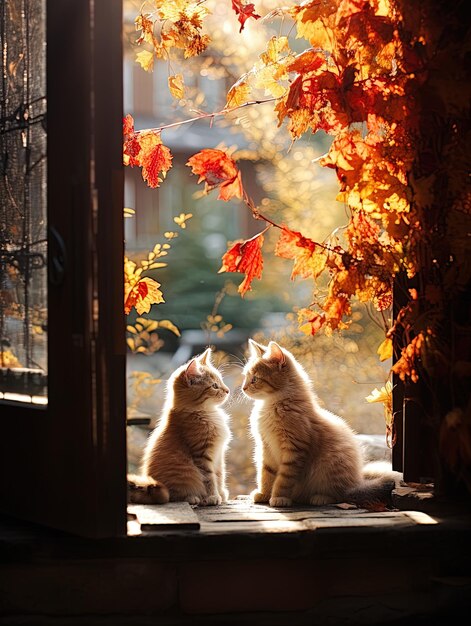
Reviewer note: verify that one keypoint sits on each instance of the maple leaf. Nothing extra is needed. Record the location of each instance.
(145, 149)
(156, 160)
(245, 257)
(307, 262)
(309, 322)
(244, 11)
(142, 295)
(217, 169)
(238, 94)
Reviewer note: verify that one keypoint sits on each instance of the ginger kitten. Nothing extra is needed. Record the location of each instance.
(305, 454)
(184, 459)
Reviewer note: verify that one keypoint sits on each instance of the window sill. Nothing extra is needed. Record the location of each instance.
(290, 566)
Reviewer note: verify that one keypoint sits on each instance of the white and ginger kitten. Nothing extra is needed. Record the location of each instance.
(304, 453)
(184, 459)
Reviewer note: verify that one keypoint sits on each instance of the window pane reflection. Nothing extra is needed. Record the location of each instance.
(23, 224)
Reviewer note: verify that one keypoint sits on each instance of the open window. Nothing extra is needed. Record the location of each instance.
(62, 332)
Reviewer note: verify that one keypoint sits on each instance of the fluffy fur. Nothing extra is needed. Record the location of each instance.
(184, 459)
(304, 454)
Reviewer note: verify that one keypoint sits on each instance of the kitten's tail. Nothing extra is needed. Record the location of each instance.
(377, 486)
(146, 490)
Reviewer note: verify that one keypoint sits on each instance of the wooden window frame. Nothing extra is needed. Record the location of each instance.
(65, 465)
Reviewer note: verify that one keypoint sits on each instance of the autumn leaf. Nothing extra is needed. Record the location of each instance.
(309, 322)
(245, 257)
(168, 325)
(8, 359)
(176, 86)
(244, 11)
(383, 395)
(217, 169)
(131, 146)
(175, 24)
(156, 160)
(142, 295)
(145, 60)
(139, 292)
(145, 149)
(182, 219)
(238, 94)
(385, 350)
(309, 258)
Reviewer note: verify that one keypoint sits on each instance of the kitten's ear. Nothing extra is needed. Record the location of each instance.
(256, 349)
(205, 358)
(275, 353)
(192, 370)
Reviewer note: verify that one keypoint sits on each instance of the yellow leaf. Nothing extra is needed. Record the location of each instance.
(274, 47)
(167, 324)
(176, 86)
(130, 342)
(238, 94)
(385, 350)
(265, 79)
(182, 218)
(383, 395)
(145, 60)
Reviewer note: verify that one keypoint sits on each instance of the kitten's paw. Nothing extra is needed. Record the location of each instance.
(211, 500)
(192, 500)
(280, 501)
(258, 497)
(224, 496)
(320, 499)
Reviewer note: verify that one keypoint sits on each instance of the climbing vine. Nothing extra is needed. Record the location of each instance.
(375, 76)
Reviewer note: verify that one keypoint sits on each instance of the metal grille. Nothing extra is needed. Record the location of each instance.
(23, 219)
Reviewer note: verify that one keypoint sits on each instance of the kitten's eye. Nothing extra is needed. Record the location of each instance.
(254, 379)
(215, 386)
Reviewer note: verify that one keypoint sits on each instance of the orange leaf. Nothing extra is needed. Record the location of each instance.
(176, 86)
(245, 257)
(307, 262)
(238, 94)
(217, 169)
(158, 159)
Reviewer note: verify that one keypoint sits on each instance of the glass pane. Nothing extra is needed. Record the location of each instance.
(23, 224)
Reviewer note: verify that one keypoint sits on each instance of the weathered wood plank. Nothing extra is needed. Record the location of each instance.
(249, 527)
(174, 515)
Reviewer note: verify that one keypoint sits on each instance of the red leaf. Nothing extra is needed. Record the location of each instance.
(139, 292)
(245, 257)
(128, 125)
(217, 169)
(131, 146)
(158, 160)
(146, 150)
(243, 12)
